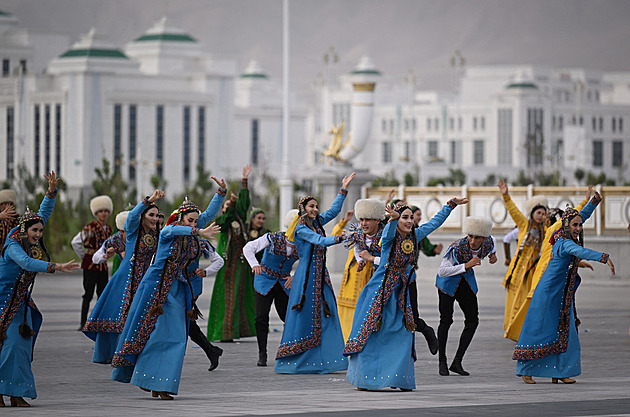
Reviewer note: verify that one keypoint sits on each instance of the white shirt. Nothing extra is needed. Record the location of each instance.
(511, 236)
(216, 263)
(77, 245)
(448, 268)
(254, 246)
(368, 242)
(99, 255)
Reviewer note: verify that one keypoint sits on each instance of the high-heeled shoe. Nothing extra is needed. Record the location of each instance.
(564, 380)
(163, 395)
(528, 379)
(19, 402)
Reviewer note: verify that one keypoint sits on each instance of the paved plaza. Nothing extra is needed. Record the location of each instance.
(69, 384)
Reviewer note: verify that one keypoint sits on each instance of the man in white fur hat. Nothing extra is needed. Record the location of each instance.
(114, 245)
(92, 236)
(363, 258)
(272, 278)
(456, 282)
(9, 218)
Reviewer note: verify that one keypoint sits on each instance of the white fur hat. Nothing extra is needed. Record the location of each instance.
(8, 196)
(537, 200)
(102, 202)
(288, 218)
(369, 208)
(477, 226)
(121, 218)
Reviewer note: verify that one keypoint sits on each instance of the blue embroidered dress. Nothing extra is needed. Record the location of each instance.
(549, 345)
(384, 358)
(276, 265)
(17, 273)
(107, 319)
(311, 342)
(150, 352)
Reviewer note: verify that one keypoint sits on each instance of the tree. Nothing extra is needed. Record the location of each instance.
(386, 180)
(579, 175)
(111, 183)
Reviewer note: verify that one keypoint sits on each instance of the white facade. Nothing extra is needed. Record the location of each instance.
(504, 119)
(159, 106)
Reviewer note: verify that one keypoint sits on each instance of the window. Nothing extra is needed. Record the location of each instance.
(201, 135)
(428, 124)
(504, 136)
(534, 138)
(598, 153)
(474, 123)
(384, 126)
(58, 139)
(553, 122)
(10, 144)
(436, 124)
(617, 156)
(594, 122)
(560, 123)
(433, 148)
(456, 152)
(620, 125)
(6, 67)
(37, 138)
(601, 124)
(159, 140)
(387, 152)
(459, 124)
(255, 141)
(117, 136)
(132, 142)
(451, 123)
(47, 138)
(413, 124)
(478, 152)
(23, 65)
(186, 136)
(406, 125)
(482, 123)
(614, 124)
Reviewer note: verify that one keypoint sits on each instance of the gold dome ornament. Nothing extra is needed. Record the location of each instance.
(236, 226)
(149, 240)
(253, 234)
(407, 246)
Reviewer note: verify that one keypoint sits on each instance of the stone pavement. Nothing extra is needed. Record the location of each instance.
(69, 384)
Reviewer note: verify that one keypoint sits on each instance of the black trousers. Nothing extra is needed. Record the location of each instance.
(280, 299)
(467, 301)
(197, 336)
(413, 299)
(92, 280)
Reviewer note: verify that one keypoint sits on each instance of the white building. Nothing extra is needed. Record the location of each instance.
(160, 106)
(502, 120)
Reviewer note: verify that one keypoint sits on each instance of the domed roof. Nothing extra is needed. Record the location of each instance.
(93, 45)
(365, 67)
(254, 70)
(161, 32)
(522, 85)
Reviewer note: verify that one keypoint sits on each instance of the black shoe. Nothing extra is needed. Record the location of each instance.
(432, 341)
(456, 367)
(214, 354)
(443, 369)
(262, 359)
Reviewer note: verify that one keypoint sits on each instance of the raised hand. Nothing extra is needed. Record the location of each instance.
(438, 249)
(53, 181)
(391, 213)
(347, 180)
(8, 213)
(221, 183)
(157, 194)
(69, 266)
(390, 196)
(109, 253)
(493, 258)
(200, 272)
(247, 169)
(210, 231)
(460, 200)
(348, 215)
(473, 262)
(503, 187)
(597, 195)
(589, 192)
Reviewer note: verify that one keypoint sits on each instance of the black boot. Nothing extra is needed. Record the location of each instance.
(456, 367)
(262, 359)
(213, 355)
(429, 335)
(443, 368)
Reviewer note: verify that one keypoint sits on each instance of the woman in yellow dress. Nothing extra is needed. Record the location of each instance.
(545, 254)
(518, 278)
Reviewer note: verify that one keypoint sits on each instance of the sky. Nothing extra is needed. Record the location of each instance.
(398, 35)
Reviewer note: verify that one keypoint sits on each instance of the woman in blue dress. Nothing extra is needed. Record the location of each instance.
(312, 341)
(548, 345)
(380, 348)
(150, 352)
(23, 256)
(107, 319)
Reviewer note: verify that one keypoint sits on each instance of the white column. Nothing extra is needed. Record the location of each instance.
(286, 183)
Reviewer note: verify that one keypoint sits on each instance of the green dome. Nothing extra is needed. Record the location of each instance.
(523, 85)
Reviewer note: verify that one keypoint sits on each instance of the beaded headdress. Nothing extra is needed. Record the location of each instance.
(569, 214)
(187, 206)
(302, 204)
(27, 217)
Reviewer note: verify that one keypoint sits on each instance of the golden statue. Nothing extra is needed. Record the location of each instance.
(337, 144)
